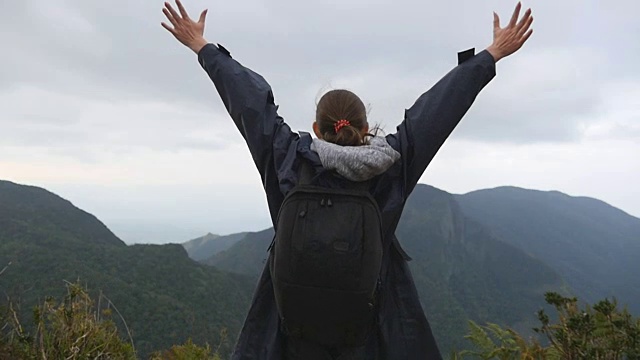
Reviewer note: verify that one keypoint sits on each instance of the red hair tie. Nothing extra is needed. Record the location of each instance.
(340, 124)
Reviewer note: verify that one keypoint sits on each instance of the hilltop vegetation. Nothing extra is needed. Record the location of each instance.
(601, 331)
(75, 329)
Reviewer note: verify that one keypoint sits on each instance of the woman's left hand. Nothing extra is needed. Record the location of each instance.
(188, 32)
(510, 39)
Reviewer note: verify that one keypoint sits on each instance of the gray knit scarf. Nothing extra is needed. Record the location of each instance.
(357, 163)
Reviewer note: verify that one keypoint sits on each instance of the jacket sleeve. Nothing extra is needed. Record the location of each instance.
(249, 100)
(430, 121)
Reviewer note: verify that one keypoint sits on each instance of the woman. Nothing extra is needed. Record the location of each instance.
(399, 160)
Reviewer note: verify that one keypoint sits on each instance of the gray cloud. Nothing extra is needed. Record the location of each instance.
(554, 105)
(98, 101)
(387, 51)
(83, 127)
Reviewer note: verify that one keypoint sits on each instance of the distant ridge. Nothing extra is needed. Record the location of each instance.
(208, 245)
(593, 245)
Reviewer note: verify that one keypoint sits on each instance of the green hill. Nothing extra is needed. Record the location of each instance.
(462, 272)
(34, 213)
(163, 295)
(246, 256)
(594, 246)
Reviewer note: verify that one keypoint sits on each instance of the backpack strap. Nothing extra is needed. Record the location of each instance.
(305, 173)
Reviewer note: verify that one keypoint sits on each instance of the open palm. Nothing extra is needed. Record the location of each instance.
(188, 32)
(510, 39)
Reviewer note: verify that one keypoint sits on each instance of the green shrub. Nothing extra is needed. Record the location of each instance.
(70, 329)
(76, 328)
(188, 351)
(598, 332)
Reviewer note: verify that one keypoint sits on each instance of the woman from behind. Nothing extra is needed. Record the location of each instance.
(345, 153)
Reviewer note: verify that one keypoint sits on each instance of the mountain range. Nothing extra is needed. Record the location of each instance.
(487, 256)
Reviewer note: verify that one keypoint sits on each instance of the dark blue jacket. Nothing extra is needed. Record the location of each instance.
(403, 331)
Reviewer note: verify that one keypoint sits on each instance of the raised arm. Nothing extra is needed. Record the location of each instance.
(246, 95)
(430, 121)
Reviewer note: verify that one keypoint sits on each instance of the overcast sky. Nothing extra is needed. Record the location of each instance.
(99, 104)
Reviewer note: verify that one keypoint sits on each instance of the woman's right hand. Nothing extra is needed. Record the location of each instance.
(188, 32)
(510, 39)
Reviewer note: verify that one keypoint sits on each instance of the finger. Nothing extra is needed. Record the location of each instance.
(170, 17)
(203, 16)
(526, 37)
(172, 11)
(524, 19)
(516, 14)
(525, 27)
(183, 11)
(496, 21)
(169, 28)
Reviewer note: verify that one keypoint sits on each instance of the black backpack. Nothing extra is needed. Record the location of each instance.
(325, 262)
